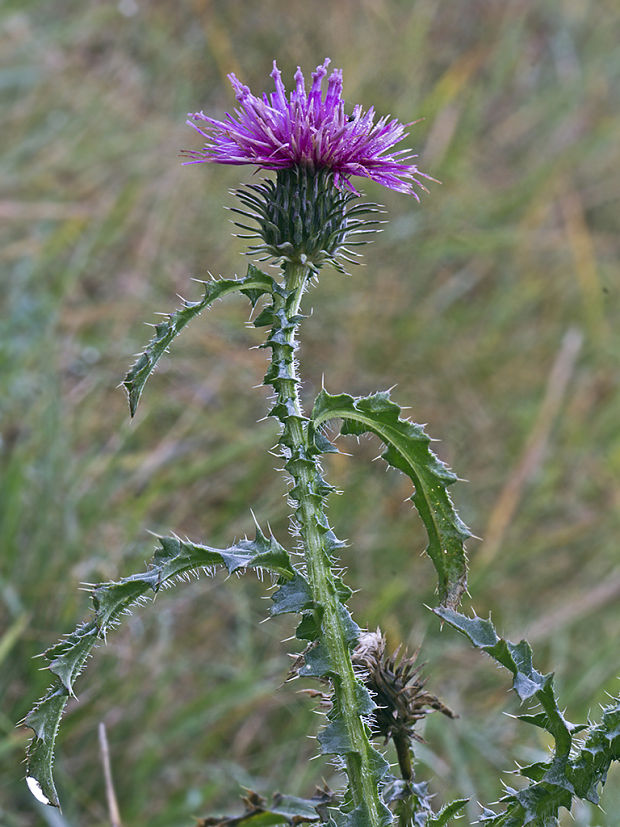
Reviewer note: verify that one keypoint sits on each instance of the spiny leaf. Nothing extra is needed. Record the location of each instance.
(294, 595)
(569, 773)
(253, 286)
(528, 682)
(600, 746)
(44, 720)
(407, 448)
(447, 813)
(360, 817)
(284, 809)
(174, 559)
(412, 801)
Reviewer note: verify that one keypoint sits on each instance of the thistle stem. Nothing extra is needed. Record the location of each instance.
(310, 515)
(403, 752)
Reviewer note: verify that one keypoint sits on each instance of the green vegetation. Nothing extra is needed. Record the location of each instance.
(505, 280)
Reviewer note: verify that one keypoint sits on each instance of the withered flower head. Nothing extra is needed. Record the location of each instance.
(398, 690)
(397, 687)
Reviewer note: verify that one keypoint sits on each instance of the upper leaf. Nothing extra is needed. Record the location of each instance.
(407, 448)
(253, 286)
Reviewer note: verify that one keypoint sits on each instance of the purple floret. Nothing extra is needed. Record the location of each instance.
(279, 132)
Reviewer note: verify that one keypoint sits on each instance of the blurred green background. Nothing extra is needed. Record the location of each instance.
(493, 305)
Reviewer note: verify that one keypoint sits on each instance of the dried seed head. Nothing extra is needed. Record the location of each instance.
(397, 687)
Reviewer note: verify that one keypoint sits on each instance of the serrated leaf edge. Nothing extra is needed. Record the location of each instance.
(407, 449)
(175, 560)
(574, 771)
(253, 285)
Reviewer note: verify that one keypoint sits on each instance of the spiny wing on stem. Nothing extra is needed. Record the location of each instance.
(573, 770)
(173, 560)
(254, 285)
(295, 595)
(407, 448)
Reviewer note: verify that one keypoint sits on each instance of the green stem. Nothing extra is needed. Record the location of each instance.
(364, 776)
(403, 752)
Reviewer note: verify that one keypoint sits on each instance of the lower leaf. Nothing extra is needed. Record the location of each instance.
(173, 560)
(572, 771)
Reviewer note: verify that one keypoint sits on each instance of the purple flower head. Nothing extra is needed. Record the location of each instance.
(306, 129)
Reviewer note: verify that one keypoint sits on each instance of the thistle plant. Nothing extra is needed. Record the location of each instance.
(306, 217)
